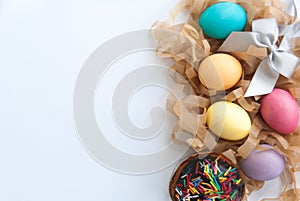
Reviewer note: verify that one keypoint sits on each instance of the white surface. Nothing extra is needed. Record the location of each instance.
(43, 45)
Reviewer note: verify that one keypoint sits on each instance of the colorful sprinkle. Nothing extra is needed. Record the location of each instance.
(211, 179)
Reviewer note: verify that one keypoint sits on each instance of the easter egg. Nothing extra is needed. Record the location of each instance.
(207, 171)
(220, 71)
(280, 111)
(263, 165)
(228, 120)
(220, 19)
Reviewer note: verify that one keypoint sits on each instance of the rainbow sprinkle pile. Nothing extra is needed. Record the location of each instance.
(209, 179)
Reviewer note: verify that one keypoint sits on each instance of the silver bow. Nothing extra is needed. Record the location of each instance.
(280, 60)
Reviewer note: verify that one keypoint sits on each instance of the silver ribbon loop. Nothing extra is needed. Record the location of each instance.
(280, 60)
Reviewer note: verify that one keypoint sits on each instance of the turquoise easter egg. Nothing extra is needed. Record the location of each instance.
(219, 20)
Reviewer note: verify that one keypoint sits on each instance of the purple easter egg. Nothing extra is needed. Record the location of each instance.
(263, 165)
(280, 111)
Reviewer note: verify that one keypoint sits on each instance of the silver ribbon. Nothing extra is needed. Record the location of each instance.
(280, 60)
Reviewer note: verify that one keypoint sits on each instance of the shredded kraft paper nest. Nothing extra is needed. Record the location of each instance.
(186, 45)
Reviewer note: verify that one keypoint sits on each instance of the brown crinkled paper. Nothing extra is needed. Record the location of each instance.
(187, 46)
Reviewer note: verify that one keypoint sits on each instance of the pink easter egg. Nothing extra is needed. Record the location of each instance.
(280, 111)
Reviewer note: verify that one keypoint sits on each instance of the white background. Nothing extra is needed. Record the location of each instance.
(43, 45)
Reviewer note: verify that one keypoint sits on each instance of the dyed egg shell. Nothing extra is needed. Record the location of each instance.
(220, 19)
(220, 71)
(263, 165)
(228, 120)
(280, 111)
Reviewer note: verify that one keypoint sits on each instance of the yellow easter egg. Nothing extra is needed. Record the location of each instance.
(220, 71)
(228, 120)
